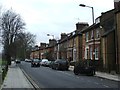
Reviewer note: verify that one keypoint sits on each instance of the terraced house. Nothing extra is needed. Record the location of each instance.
(62, 46)
(74, 50)
(91, 43)
(117, 33)
(118, 40)
(99, 42)
(108, 40)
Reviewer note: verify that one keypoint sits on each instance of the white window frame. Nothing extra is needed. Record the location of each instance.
(92, 36)
(96, 53)
(87, 36)
(91, 53)
(86, 52)
(98, 33)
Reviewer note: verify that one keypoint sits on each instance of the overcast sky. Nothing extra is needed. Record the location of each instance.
(55, 16)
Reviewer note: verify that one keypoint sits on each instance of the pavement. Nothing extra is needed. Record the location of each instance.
(15, 78)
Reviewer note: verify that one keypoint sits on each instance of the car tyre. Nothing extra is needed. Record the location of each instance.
(76, 72)
(91, 73)
(57, 67)
(66, 69)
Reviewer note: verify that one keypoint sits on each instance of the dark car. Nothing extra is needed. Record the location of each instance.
(60, 64)
(17, 61)
(51, 64)
(85, 67)
(35, 63)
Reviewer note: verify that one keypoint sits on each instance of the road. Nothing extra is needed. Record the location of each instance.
(46, 77)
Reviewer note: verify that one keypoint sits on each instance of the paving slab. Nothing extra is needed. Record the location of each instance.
(16, 79)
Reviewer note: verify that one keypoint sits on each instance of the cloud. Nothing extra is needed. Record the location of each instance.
(55, 16)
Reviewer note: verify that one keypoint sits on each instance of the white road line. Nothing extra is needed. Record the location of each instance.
(65, 73)
(96, 83)
(105, 86)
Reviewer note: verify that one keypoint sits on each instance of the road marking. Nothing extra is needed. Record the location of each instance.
(71, 75)
(96, 83)
(105, 86)
(88, 81)
(64, 73)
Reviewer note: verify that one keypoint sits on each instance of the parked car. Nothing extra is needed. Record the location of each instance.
(51, 64)
(35, 62)
(60, 64)
(84, 67)
(17, 61)
(72, 63)
(47, 63)
(43, 62)
(27, 60)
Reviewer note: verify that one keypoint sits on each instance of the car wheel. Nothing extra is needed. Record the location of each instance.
(57, 67)
(76, 72)
(91, 73)
(66, 69)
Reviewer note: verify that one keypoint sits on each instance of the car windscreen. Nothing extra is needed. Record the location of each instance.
(61, 61)
(36, 60)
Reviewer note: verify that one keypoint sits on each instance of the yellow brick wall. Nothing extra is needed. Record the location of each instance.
(77, 47)
(69, 53)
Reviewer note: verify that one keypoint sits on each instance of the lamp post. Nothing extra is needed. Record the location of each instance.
(82, 5)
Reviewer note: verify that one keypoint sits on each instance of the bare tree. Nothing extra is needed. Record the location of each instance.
(11, 25)
(25, 41)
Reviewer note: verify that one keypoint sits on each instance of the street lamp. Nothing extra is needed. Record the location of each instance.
(82, 5)
(50, 35)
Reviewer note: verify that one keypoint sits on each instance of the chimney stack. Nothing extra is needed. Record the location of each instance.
(63, 35)
(117, 4)
(81, 25)
(42, 45)
(52, 42)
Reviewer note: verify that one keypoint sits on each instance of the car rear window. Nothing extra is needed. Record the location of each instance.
(36, 60)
